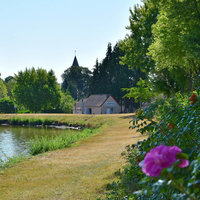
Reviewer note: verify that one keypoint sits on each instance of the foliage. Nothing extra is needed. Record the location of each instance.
(176, 33)
(3, 90)
(168, 82)
(6, 106)
(136, 44)
(8, 79)
(66, 103)
(10, 85)
(37, 90)
(173, 121)
(128, 178)
(109, 76)
(141, 93)
(163, 43)
(44, 144)
(76, 81)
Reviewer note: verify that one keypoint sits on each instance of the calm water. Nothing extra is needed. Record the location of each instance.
(15, 140)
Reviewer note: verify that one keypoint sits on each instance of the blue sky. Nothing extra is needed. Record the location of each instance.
(45, 33)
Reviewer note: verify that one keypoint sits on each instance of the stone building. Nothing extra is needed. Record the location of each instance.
(97, 104)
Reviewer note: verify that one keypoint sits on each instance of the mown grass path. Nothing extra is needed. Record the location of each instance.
(78, 172)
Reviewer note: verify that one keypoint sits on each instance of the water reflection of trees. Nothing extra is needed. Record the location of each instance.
(15, 140)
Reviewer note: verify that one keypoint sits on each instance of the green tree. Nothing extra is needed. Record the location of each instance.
(6, 106)
(8, 79)
(10, 85)
(176, 38)
(37, 90)
(3, 90)
(76, 78)
(66, 103)
(110, 76)
(141, 93)
(138, 44)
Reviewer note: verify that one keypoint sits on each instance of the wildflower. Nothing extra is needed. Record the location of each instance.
(161, 157)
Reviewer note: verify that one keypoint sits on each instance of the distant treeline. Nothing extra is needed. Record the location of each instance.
(161, 55)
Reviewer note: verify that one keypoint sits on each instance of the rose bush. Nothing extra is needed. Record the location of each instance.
(168, 173)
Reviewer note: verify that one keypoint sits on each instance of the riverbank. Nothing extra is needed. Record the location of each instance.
(40, 143)
(70, 120)
(87, 125)
(79, 172)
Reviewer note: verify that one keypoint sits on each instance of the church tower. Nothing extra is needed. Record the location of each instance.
(75, 62)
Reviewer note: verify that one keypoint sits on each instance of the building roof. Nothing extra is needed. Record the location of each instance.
(96, 100)
(75, 62)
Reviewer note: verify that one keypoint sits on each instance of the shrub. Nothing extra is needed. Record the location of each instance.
(172, 122)
(6, 106)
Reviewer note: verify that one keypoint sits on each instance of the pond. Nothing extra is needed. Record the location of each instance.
(14, 140)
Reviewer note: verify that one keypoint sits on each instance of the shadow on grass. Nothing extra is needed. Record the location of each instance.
(128, 117)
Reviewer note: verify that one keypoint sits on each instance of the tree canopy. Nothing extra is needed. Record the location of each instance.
(164, 44)
(141, 93)
(176, 42)
(136, 44)
(10, 85)
(109, 76)
(37, 90)
(3, 90)
(6, 106)
(76, 81)
(66, 103)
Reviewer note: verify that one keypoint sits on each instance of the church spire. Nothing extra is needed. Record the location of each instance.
(75, 62)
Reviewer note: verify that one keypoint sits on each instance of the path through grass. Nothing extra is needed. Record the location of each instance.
(79, 172)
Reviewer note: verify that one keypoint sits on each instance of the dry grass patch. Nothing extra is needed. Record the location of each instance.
(93, 121)
(79, 172)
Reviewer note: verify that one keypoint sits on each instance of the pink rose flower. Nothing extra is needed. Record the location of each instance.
(159, 158)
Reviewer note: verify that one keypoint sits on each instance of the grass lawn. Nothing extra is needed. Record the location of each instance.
(78, 172)
(91, 121)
